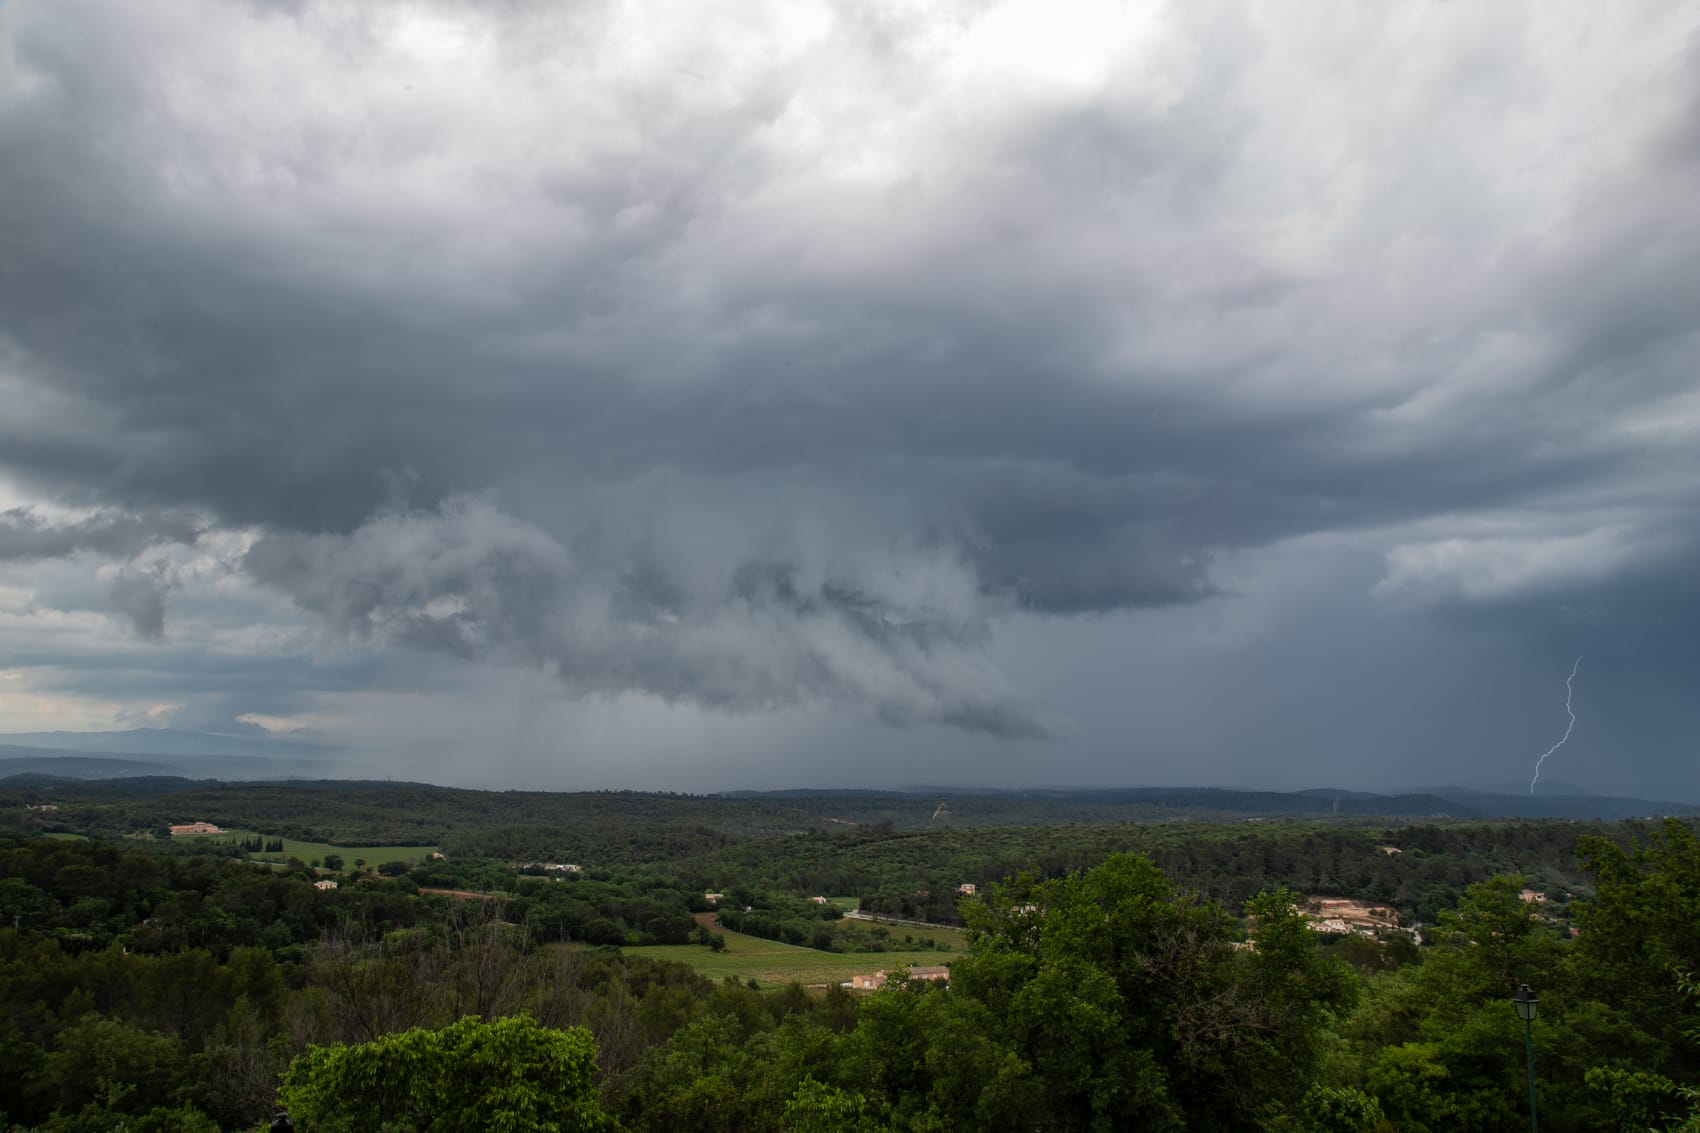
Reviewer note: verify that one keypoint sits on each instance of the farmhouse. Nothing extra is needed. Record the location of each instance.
(935, 974)
(324, 885)
(195, 828)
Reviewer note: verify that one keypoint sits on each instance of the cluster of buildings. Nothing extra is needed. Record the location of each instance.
(1366, 918)
(935, 974)
(1343, 915)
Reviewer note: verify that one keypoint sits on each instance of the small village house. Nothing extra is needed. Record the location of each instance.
(934, 973)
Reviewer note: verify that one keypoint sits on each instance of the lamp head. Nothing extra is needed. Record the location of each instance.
(1525, 1002)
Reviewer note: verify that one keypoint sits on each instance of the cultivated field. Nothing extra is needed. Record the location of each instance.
(772, 964)
(307, 851)
(950, 938)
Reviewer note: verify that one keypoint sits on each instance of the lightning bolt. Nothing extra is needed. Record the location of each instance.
(1567, 694)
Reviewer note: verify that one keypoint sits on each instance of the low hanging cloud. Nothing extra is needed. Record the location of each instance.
(899, 631)
(26, 535)
(139, 596)
(1498, 569)
(137, 592)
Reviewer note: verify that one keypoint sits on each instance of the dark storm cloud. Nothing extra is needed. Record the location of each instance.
(141, 598)
(778, 382)
(25, 535)
(785, 627)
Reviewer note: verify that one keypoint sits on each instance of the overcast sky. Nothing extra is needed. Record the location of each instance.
(778, 394)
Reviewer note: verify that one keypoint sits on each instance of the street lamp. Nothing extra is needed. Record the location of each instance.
(1526, 1005)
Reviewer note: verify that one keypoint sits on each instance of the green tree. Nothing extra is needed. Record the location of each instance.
(1337, 1109)
(818, 1108)
(506, 1076)
(1133, 1007)
(696, 1080)
(1643, 927)
(1501, 937)
(23, 905)
(111, 1067)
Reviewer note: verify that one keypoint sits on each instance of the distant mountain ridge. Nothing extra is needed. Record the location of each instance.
(1554, 787)
(156, 752)
(165, 742)
(167, 754)
(1068, 804)
(76, 765)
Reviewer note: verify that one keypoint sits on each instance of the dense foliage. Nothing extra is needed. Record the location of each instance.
(506, 1076)
(1115, 977)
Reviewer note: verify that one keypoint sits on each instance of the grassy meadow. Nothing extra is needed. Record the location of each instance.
(772, 964)
(946, 938)
(308, 851)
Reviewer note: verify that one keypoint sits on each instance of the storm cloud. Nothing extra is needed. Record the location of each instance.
(790, 360)
(26, 535)
(766, 623)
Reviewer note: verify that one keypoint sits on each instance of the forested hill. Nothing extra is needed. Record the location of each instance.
(353, 812)
(156, 985)
(901, 854)
(1156, 966)
(649, 825)
(920, 808)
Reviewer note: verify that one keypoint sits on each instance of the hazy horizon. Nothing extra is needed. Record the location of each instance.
(192, 754)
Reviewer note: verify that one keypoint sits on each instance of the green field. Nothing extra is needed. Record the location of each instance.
(772, 964)
(307, 851)
(946, 938)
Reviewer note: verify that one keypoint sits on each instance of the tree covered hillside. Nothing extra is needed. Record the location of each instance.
(1108, 977)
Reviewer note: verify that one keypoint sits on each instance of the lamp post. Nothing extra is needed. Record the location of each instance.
(1526, 1005)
